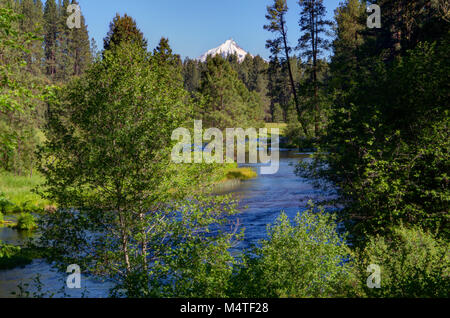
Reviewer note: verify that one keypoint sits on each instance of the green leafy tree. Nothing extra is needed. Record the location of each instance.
(413, 264)
(388, 145)
(126, 212)
(19, 93)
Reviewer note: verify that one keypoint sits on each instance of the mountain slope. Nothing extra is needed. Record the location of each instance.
(230, 47)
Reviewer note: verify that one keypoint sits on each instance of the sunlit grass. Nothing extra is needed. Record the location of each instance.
(281, 126)
(18, 191)
(241, 174)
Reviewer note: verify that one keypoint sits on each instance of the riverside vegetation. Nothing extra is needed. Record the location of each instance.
(90, 132)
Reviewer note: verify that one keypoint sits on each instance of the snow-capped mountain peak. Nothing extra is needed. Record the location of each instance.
(230, 47)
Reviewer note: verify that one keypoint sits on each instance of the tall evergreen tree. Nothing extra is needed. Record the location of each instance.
(312, 43)
(192, 75)
(64, 60)
(18, 94)
(350, 19)
(276, 15)
(227, 102)
(79, 47)
(52, 29)
(164, 55)
(33, 22)
(124, 29)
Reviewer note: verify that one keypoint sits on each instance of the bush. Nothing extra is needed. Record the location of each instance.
(26, 222)
(7, 251)
(413, 264)
(14, 256)
(307, 259)
(4, 203)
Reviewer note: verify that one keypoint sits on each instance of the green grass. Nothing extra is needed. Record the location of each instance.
(240, 174)
(281, 126)
(231, 172)
(16, 194)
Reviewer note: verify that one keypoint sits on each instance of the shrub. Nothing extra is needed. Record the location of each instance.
(307, 259)
(4, 203)
(26, 222)
(413, 264)
(8, 250)
(13, 256)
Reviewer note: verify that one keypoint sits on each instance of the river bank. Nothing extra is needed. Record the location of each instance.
(261, 201)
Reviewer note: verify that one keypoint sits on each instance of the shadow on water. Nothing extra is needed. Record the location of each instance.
(262, 201)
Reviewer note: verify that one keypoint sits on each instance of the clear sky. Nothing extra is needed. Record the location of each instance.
(195, 26)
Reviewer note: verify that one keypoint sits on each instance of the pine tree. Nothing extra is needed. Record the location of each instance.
(276, 15)
(192, 75)
(33, 22)
(313, 25)
(52, 29)
(350, 23)
(164, 55)
(258, 82)
(279, 89)
(124, 29)
(94, 50)
(79, 47)
(227, 102)
(63, 58)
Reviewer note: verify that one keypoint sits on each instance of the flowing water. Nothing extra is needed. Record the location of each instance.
(262, 201)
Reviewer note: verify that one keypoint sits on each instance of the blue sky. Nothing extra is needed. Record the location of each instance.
(194, 26)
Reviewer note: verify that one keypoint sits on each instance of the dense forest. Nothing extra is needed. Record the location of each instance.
(91, 130)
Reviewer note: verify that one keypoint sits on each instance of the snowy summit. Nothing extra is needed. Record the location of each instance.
(230, 47)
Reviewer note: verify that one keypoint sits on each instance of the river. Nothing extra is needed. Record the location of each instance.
(262, 200)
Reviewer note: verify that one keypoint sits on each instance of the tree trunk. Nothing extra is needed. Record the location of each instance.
(291, 77)
(314, 47)
(124, 239)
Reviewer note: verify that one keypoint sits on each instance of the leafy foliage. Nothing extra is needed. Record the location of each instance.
(414, 264)
(304, 259)
(126, 212)
(387, 146)
(26, 222)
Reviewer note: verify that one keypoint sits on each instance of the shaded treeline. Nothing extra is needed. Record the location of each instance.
(50, 54)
